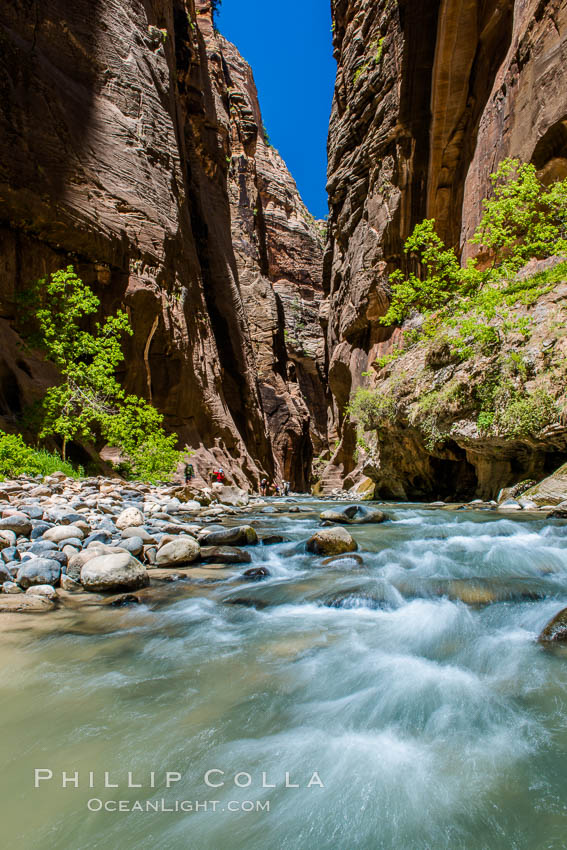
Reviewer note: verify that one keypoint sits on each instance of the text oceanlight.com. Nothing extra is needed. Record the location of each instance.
(164, 806)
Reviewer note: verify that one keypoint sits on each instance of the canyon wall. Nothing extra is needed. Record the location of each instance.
(429, 98)
(133, 148)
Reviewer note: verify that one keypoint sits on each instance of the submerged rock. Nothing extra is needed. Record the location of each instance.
(256, 573)
(241, 535)
(125, 600)
(47, 591)
(25, 604)
(248, 602)
(343, 560)
(331, 541)
(273, 539)
(225, 555)
(556, 630)
(353, 515)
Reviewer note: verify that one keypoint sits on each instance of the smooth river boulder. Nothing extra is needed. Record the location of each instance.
(18, 523)
(7, 539)
(114, 572)
(129, 518)
(331, 541)
(45, 590)
(59, 533)
(225, 555)
(230, 495)
(182, 550)
(240, 535)
(38, 571)
(78, 561)
(5, 574)
(134, 545)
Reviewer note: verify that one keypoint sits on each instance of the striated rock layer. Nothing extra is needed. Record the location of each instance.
(279, 253)
(133, 148)
(429, 97)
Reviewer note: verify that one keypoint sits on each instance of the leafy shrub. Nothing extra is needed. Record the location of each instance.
(485, 421)
(17, 458)
(89, 404)
(386, 359)
(527, 416)
(522, 220)
(371, 408)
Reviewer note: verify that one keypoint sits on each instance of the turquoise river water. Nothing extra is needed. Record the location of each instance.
(408, 698)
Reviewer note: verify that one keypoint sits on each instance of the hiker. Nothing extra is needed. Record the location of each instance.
(286, 488)
(189, 473)
(276, 489)
(263, 486)
(220, 476)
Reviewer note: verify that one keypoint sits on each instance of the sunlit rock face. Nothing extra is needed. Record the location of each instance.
(429, 97)
(124, 153)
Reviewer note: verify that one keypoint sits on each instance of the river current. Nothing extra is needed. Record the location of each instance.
(407, 697)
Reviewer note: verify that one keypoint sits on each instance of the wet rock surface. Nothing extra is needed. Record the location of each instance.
(354, 515)
(333, 541)
(556, 630)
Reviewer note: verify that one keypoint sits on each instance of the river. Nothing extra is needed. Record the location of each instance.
(408, 699)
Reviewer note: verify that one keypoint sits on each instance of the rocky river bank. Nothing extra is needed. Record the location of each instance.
(100, 542)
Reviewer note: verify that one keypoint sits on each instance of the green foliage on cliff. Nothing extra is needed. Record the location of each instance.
(371, 408)
(89, 404)
(509, 410)
(522, 220)
(17, 458)
(480, 311)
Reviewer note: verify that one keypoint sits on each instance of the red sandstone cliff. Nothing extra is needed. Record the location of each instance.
(129, 134)
(429, 97)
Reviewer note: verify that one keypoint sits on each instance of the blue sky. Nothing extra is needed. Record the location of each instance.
(289, 48)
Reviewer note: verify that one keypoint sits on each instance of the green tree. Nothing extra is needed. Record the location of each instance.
(89, 403)
(522, 219)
